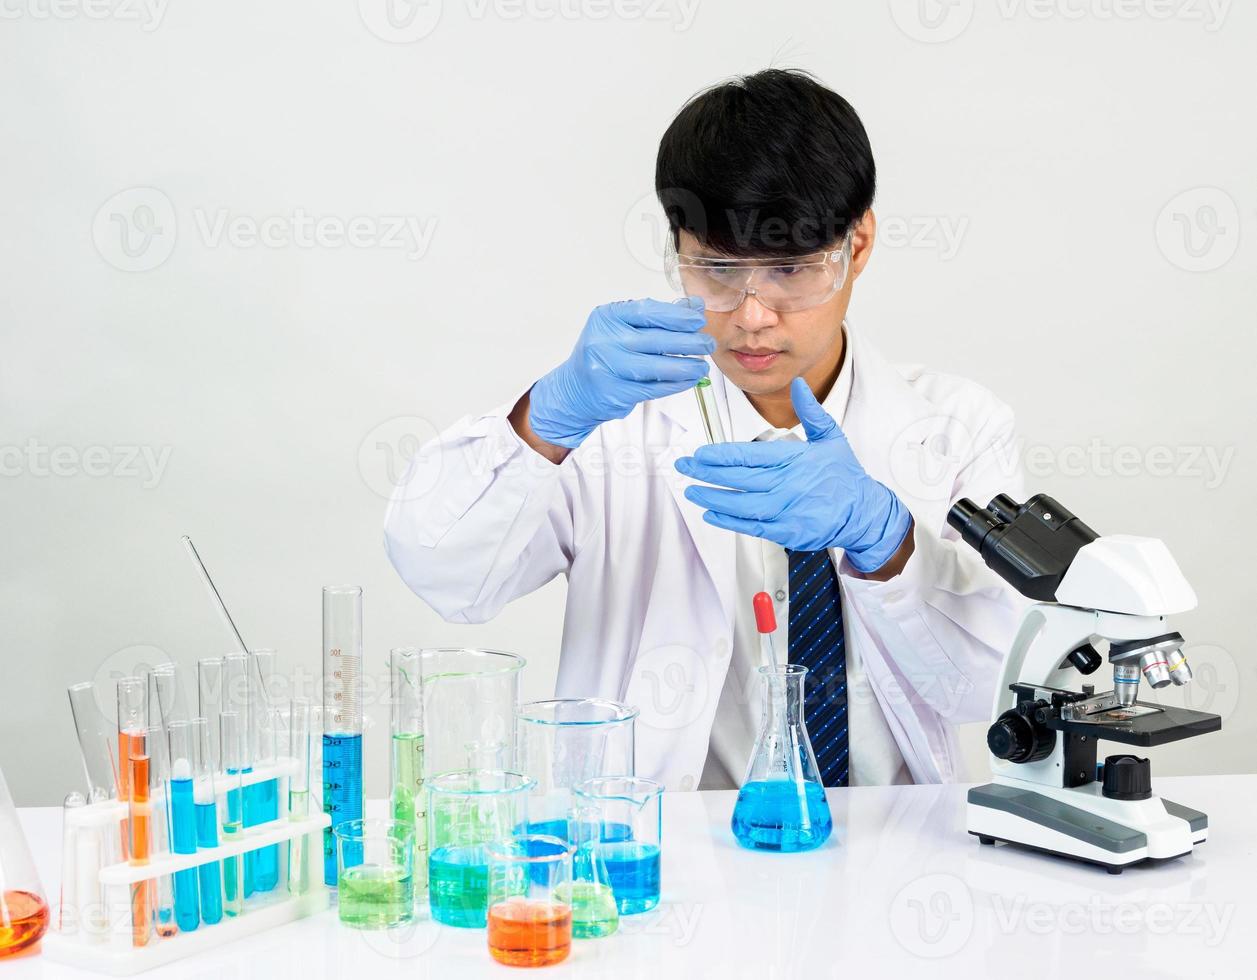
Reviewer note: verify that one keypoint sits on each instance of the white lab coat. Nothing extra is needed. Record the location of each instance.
(480, 519)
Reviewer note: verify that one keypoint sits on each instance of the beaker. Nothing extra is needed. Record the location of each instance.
(782, 805)
(467, 810)
(564, 742)
(626, 817)
(407, 799)
(375, 880)
(529, 924)
(23, 907)
(469, 702)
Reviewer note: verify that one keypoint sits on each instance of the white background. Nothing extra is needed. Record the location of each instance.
(1067, 198)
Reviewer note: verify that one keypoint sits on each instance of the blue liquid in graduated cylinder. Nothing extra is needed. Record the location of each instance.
(183, 841)
(209, 875)
(769, 816)
(261, 867)
(342, 796)
(633, 873)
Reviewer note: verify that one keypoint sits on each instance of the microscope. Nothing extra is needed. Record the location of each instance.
(1047, 792)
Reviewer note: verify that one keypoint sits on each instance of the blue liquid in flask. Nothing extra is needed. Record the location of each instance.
(633, 873)
(342, 797)
(770, 816)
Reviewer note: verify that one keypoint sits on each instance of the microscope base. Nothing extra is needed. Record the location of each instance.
(1082, 824)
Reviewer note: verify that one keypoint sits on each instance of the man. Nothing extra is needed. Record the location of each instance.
(831, 497)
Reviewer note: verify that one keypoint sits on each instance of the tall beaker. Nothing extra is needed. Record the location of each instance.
(782, 805)
(469, 702)
(23, 907)
(562, 743)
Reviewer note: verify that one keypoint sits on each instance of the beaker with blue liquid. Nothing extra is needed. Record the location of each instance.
(782, 805)
(627, 837)
(564, 742)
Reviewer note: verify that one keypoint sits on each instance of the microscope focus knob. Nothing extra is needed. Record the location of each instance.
(1127, 777)
(1016, 738)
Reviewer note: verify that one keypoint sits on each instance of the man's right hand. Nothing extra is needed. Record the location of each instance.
(625, 355)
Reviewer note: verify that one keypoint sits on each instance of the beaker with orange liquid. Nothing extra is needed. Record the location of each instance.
(527, 924)
(23, 907)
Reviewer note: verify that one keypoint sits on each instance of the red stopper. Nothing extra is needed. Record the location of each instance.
(765, 615)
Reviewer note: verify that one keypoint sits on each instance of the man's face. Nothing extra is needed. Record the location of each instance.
(762, 351)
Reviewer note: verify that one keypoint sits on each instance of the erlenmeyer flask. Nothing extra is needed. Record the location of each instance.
(782, 804)
(23, 908)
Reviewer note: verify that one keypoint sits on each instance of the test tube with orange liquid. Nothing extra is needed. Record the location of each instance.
(527, 925)
(133, 786)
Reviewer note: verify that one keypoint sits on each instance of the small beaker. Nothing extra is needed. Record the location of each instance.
(23, 907)
(627, 816)
(529, 923)
(469, 701)
(467, 810)
(782, 805)
(375, 873)
(564, 742)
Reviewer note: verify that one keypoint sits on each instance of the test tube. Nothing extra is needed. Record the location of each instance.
(342, 716)
(261, 799)
(231, 726)
(133, 778)
(69, 867)
(209, 875)
(94, 735)
(238, 686)
(707, 410)
(408, 801)
(209, 702)
(181, 739)
(299, 793)
(160, 842)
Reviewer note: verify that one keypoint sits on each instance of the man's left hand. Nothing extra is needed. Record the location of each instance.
(805, 496)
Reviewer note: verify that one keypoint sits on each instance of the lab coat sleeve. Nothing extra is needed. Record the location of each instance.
(479, 519)
(946, 620)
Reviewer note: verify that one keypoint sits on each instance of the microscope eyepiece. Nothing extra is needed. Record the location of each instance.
(1031, 545)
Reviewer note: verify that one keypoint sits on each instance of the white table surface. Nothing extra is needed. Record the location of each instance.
(900, 886)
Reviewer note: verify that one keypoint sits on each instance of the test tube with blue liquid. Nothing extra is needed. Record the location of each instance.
(342, 717)
(238, 688)
(180, 738)
(261, 799)
(205, 805)
(232, 730)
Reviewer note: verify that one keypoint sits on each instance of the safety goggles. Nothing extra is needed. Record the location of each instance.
(781, 285)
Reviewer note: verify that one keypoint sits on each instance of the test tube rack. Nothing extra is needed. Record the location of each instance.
(100, 938)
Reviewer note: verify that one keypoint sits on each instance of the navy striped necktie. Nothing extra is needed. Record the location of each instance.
(816, 642)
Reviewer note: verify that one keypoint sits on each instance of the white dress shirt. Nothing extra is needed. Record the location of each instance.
(762, 566)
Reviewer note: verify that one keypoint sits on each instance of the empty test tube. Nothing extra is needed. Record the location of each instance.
(299, 793)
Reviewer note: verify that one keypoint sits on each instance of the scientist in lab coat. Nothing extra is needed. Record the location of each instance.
(831, 495)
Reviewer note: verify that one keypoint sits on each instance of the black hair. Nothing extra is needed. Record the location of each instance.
(771, 164)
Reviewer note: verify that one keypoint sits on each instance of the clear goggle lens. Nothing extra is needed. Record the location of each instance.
(781, 285)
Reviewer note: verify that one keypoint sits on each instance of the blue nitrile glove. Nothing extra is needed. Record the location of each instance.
(805, 496)
(623, 357)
